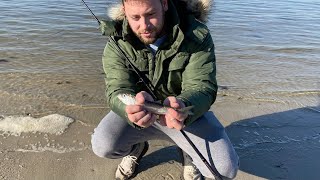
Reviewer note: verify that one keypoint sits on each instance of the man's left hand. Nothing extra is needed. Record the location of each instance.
(173, 119)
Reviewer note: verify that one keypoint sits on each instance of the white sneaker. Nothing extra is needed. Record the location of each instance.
(190, 171)
(126, 169)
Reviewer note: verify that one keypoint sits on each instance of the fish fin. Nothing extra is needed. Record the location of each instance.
(186, 110)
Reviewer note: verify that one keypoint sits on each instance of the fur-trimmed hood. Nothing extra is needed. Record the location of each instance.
(199, 8)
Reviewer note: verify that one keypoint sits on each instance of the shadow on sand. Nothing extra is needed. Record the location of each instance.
(165, 155)
(284, 145)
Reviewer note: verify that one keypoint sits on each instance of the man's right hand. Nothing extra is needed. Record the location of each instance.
(137, 114)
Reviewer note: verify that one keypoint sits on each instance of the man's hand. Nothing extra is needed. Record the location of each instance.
(137, 114)
(173, 118)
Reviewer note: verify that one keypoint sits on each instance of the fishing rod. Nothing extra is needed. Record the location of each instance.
(150, 87)
(91, 12)
(141, 79)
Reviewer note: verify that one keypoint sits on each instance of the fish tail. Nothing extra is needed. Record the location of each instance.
(186, 110)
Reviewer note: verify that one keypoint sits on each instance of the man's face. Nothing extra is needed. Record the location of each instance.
(146, 18)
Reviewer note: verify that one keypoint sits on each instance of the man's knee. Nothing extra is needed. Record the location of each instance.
(106, 140)
(100, 147)
(229, 169)
(106, 147)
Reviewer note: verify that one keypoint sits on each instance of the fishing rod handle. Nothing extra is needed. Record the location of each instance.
(212, 168)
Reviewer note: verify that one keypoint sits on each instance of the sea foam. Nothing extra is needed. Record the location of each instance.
(52, 124)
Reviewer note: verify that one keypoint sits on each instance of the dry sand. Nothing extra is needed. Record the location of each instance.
(274, 141)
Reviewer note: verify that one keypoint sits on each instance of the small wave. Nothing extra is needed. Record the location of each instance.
(293, 50)
(295, 93)
(257, 99)
(56, 101)
(51, 149)
(314, 109)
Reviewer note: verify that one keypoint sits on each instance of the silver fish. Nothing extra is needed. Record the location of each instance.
(153, 107)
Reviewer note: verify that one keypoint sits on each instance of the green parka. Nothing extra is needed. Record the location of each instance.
(183, 66)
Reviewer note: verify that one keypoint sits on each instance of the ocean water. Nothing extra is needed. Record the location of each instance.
(50, 51)
(269, 50)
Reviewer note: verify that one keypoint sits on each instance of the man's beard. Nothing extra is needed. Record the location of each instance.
(150, 40)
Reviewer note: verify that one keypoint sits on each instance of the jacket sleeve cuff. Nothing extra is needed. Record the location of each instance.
(190, 119)
(119, 108)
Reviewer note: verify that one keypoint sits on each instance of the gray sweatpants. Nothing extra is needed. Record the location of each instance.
(114, 138)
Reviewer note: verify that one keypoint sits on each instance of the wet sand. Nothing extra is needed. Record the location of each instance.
(273, 140)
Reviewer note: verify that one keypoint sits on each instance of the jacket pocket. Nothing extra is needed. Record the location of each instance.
(179, 61)
(175, 70)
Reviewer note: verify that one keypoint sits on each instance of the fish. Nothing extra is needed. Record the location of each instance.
(153, 107)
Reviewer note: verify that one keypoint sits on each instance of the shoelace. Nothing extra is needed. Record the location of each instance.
(133, 158)
(127, 164)
(192, 168)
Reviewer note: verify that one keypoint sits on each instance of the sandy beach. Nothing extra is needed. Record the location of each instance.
(274, 141)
